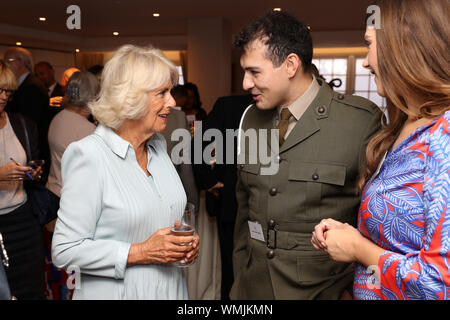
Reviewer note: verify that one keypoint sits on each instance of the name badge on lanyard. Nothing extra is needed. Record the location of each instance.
(256, 231)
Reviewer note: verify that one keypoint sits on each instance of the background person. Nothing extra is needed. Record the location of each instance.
(68, 126)
(30, 99)
(97, 70)
(46, 74)
(180, 94)
(193, 106)
(219, 180)
(322, 140)
(404, 217)
(56, 101)
(20, 228)
(177, 120)
(116, 226)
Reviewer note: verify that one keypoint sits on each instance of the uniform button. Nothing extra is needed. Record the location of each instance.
(315, 177)
(341, 97)
(270, 254)
(273, 192)
(272, 224)
(321, 110)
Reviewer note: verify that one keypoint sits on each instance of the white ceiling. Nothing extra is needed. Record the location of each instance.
(134, 18)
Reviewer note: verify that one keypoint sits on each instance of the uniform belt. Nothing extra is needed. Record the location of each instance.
(276, 239)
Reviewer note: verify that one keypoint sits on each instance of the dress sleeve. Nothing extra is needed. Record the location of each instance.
(74, 245)
(425, 274)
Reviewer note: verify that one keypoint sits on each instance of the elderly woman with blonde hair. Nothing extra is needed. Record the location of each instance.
(120, 192)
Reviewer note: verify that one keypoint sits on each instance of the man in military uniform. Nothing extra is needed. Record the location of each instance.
(322, 141)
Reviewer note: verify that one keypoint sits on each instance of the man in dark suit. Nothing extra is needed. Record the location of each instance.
(44, 71)
(31, 98)
(315, 140)
(220, 180)
(46, 74)
(177, 120)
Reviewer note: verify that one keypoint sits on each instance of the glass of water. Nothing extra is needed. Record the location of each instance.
(185, 227)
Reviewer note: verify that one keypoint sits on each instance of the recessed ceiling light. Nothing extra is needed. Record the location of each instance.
(18, 43)
(276, 9)
(156, 14)
(42, 19)
(115, 33)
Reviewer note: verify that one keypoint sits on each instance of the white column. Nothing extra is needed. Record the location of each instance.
(209, 58)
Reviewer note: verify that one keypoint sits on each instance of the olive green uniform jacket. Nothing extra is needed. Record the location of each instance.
(318, 166)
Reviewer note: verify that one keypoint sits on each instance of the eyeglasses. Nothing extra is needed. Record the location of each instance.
(8, 92)
(11, 60)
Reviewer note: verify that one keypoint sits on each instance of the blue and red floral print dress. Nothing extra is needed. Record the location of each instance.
(405, 210)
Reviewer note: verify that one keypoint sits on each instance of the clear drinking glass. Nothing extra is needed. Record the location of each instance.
(35, 165)
(185, 227)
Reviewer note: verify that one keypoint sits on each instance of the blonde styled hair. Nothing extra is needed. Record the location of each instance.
(126, 80)
(413, 58)
(7, 77)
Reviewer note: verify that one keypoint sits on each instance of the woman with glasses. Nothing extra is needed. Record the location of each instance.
(401, 246)
(20, 228)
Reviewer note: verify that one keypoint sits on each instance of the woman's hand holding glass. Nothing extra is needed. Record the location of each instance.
(178, 245)
(185, 227)
(164, 247)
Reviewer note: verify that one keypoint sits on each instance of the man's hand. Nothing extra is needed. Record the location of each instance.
(215, 190)
(56, 102)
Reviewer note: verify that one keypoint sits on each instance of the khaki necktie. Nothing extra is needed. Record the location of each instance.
(283, 124)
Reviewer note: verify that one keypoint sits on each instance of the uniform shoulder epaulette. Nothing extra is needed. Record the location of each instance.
(356, 102)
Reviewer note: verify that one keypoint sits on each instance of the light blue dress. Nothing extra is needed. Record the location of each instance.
(107, 204)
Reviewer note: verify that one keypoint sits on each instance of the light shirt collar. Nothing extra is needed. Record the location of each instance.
(117, 144)
(51, 88)
(22, 78)
(299, 106)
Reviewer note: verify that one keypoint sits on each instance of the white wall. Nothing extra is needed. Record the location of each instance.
(59, 60)
(209, 58)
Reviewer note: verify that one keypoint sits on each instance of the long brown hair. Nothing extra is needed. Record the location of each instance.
(413, 48)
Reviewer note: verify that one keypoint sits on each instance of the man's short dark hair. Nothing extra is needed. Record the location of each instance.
(178, 92)
(96, 69)
(44, 63)
(283, 34)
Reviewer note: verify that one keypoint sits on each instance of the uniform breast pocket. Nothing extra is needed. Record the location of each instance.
(250, 174)
(316, 181)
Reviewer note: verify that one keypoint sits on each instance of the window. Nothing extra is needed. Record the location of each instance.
(333, 68)
(365, 85)
(181, 78)
(346, 64)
